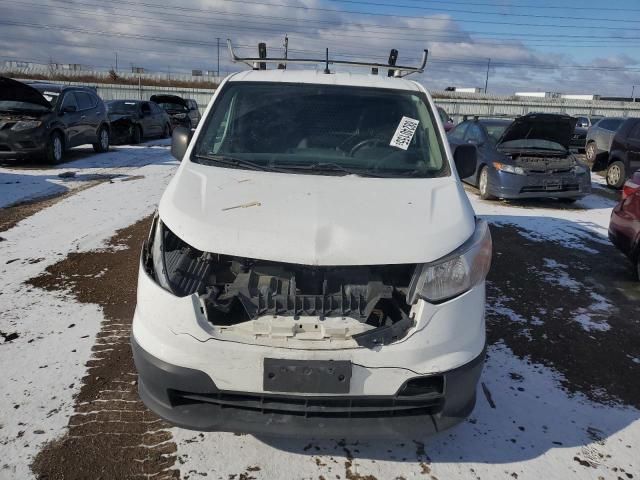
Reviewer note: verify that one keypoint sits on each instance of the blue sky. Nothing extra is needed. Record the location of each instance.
(572, 46)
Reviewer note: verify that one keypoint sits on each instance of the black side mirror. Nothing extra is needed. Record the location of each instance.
(180, 141)
(69, 109)
(465, 158)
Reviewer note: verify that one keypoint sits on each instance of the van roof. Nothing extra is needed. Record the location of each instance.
(319, 77)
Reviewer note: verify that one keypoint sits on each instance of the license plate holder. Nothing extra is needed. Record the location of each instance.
(306, 376)
(552, 185)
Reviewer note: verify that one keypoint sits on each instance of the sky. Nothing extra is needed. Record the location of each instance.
(568, 46)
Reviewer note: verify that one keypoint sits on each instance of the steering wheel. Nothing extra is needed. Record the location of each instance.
(364, 143)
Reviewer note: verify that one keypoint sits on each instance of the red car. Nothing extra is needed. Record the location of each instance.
(624, 229)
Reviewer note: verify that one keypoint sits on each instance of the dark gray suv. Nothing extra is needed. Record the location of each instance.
(600, 136)
(44, 120)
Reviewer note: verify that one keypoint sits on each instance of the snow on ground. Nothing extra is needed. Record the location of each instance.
(544, 220)
(24, 182)
(41, 368)
(535, 431)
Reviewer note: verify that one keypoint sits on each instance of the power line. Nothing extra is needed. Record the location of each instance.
(538, 36)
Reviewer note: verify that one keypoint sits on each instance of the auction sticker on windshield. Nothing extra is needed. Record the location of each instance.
(404, 133)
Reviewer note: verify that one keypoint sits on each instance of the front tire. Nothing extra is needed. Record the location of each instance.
(55, 148)
(591, 153)
(483, 184)
(103, 141)
(616, 174)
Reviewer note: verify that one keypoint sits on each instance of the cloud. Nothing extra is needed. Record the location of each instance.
(180, 37)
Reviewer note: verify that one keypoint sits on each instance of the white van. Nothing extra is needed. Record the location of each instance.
(315, 266)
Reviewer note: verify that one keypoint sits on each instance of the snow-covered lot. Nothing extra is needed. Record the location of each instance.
(559, 396)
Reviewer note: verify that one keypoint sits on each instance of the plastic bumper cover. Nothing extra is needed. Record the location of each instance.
(189, 398)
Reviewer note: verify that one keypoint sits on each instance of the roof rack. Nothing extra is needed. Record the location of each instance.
(259, 63)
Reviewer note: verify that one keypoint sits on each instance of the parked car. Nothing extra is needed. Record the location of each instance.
(587, 121)
(624, 228)
(183, 112)
(133, 120)
(528, 157)
(600, 136)
(579, 137)
(624, 156)
(42, 120)
(315, 264)
(447, 121)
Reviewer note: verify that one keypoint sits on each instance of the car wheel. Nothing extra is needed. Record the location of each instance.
(483, 184)
(55, 148)
(136, 135)
(616, 174)
(166, 132)
(591, 152)
(103, 141)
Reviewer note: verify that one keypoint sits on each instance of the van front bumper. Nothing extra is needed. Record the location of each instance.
(190, 399)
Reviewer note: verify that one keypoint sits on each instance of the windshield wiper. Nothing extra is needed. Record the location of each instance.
(228, 161)
(325, 167)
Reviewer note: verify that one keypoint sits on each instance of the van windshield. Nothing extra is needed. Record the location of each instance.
(306, 128)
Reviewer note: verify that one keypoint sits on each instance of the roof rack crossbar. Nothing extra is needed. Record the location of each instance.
(400, 70)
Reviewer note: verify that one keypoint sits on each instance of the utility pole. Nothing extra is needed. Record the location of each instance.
(218, 68)
(486, 81)
(633, 91)
(286, 46)
(116, 61)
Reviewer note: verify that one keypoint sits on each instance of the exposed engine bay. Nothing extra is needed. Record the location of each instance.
(285, 298)
(545, 163)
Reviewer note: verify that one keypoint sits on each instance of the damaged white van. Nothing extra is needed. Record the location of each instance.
(315, 266)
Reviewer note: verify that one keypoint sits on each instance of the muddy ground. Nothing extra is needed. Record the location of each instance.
(545, 284)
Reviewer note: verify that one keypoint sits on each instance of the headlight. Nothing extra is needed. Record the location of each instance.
(180, 115)
(456, 273)
(508, 168)
(26, 125)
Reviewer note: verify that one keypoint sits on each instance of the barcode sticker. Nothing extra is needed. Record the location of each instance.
(404, 133)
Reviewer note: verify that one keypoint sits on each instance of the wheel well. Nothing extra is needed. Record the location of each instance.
(480, 167)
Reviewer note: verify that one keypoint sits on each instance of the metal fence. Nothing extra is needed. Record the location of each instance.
(458, 105)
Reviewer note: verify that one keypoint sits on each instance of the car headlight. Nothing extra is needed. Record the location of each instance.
(180, 115)
(26, 125)
(456, 273)
(503, 167)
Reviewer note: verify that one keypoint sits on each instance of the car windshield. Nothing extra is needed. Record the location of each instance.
(322, 129)
(51, 97)
(495, 131)
(173, 107)
(123, 107)
(13, 106)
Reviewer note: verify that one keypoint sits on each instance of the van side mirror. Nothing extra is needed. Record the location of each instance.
(180, 142)
(465, 158)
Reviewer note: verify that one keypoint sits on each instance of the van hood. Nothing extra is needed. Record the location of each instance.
(168, 99)
(314, 219)
(541, 126)
(15, 91)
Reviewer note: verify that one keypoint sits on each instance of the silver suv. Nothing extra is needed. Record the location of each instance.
(600, 136)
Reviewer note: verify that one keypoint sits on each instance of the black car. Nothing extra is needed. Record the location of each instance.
(133, 120)
(44, 120)
(183, 111)
(528, 157)
(624, 155)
